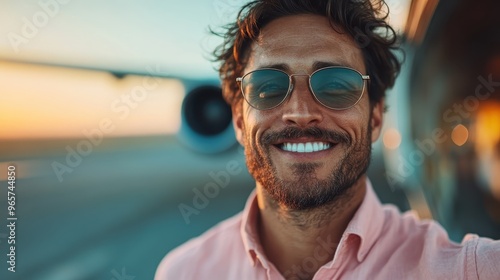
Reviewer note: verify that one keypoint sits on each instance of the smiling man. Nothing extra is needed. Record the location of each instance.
(308, 102)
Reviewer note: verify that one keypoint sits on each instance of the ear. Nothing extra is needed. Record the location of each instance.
(377, 120)
(238, 126)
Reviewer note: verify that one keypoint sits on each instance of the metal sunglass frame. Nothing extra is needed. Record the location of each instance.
(291, 83)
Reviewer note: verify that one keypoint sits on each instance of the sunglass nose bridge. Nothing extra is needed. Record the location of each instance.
(292, 81)
(293, 75)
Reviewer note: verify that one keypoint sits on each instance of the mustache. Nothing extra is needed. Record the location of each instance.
(293, 132)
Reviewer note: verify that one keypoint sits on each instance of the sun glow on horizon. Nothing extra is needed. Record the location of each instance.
(51, 102)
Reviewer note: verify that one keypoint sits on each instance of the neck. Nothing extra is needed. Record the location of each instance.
(291, 237)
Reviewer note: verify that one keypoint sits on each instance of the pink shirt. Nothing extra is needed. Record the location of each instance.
(378, 243)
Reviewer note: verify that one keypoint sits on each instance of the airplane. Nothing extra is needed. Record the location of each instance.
(120, 146)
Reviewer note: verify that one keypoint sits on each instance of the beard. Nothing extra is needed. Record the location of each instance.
(305, 191)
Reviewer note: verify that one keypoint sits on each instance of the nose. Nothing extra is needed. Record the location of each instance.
(301, 108)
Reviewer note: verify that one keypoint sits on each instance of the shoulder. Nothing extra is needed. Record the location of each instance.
(485, 253)
(424, 248)
(207, 251)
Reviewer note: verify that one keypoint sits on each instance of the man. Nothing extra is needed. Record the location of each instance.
(308, 99)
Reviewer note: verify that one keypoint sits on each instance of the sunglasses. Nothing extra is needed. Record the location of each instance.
(337, 88)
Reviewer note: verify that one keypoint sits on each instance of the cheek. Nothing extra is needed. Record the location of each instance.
(250, 131)
(355, 121)
(246, 118)
(257, 122)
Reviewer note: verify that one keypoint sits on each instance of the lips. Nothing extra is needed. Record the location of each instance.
(305, 147)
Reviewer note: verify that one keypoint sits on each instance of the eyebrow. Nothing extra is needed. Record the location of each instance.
(279, 66)
(322, 64)
(316, 65)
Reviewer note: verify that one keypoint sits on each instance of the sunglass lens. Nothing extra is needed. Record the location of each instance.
(337, 88)
(265, 89)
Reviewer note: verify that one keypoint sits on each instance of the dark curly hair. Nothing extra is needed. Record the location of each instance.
(364, 20)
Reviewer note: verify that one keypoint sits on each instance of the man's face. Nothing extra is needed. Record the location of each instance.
(341, 139)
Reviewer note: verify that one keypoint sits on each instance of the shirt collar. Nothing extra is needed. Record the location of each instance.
(366, 223)
(248, 229)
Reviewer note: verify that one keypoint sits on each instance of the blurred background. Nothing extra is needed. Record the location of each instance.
(111, 113)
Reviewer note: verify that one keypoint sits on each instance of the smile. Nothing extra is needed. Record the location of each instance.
(308, 147)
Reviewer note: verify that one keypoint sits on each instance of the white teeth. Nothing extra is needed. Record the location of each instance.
(308, 147)
(301, 147)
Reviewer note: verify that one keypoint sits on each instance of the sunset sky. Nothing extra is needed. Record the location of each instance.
(38, 100)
